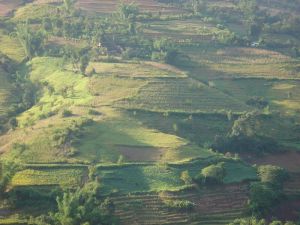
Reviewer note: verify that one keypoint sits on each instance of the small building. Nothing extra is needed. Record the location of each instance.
(254, 44)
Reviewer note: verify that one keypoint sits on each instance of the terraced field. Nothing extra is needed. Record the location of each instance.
(68, 177)
(11, 47)
(108, 6)
(282, 95)
(147, 177)
(182, 95)
(239, 62)
(189, 30)
(212, 206)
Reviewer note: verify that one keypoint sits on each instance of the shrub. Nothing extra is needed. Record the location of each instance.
(212, 174)
(94, 112)
(186, 178)
(180, 205)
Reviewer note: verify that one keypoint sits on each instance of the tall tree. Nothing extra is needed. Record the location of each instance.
(25, 38)
(68, 5)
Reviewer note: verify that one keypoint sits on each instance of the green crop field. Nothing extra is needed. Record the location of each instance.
(182, 95)
(48, 177)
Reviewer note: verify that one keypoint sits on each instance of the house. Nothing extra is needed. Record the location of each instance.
(254, 44)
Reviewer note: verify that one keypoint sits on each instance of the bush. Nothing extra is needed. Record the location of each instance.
(186, 178)
(66, 113)
(258, 102)
(94, 112)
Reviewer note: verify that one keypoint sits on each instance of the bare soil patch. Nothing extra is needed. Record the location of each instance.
(287, 211)
(288, 160)
(7, 6)
(142, 154)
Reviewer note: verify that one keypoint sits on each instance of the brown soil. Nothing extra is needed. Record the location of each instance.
(287, 211)
(7, 6)
(228, 201)
(288, 160)
(140, 153)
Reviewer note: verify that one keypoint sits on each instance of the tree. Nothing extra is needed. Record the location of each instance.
(186, 178)
(83, 207)
(272, 174)
(254, 221)
(213, 173)
(262, 198)
(84, 62)
(127, 11)
(31, 42)
(25, 38)
(249, 9)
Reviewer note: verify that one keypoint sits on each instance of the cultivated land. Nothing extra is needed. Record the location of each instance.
(136, 125)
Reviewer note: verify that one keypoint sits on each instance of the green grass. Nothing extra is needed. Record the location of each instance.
(103, 140)
(68, 89)
(237, 172)
(161, 177)
(198, 128)
(282, 95)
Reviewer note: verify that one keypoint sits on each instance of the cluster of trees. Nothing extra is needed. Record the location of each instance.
(24, 91)
(84, 206)
(32, 41)
(268, 192)
(244, 137)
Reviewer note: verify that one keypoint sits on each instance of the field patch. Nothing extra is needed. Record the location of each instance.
(242, 62)
(11, 47)
(48, 177)
(217, 205)
(133, 153)
(288, 160)
(109, 6)
(101, 142)
(188, 30)
(165, 177)
(182, 95)
(136, 70)
(281, 95)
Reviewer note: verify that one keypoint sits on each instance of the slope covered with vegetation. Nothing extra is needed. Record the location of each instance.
(149, 112)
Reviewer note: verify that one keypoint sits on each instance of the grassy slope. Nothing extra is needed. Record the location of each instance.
(108, 89)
